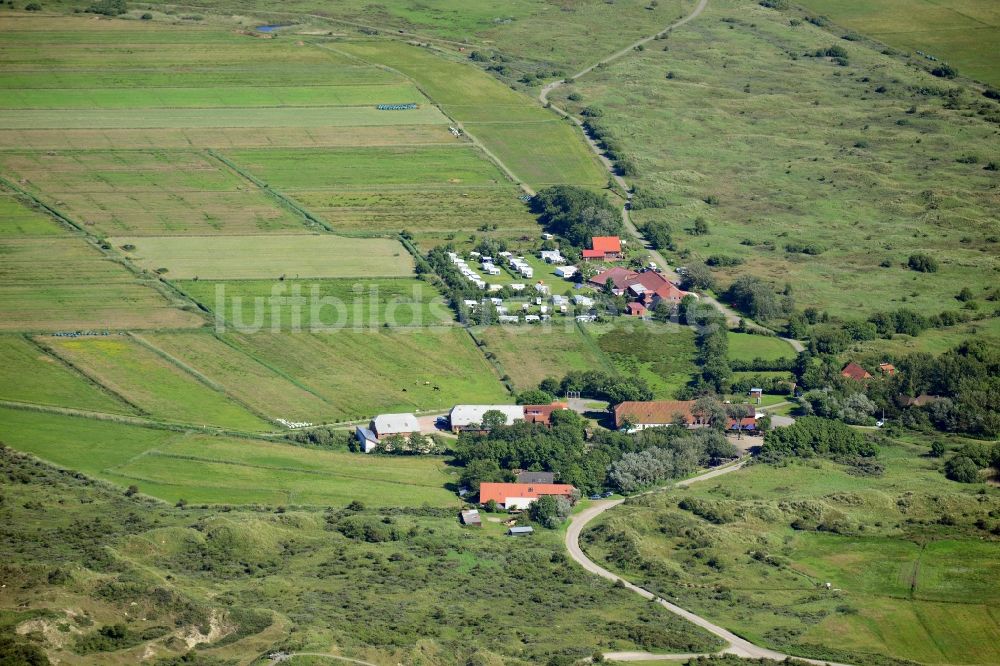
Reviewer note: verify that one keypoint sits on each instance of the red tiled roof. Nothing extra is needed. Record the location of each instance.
(617, 275)
(606, 244)
(746, 423)
(636, 309)
(593, 254)
(542, 413)
(499, 492)
(653, 412)
(887, 368)
(854, 371)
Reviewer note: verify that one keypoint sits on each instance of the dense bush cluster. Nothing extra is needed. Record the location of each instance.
(815, 436)
(576, 214)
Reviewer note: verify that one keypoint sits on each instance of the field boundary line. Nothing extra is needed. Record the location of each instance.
(497, 162)
(138, 421)
(494, 362)
(215, 386)
(50, 353)
(235, 347)
(268, 190)
(174, 297)
(589, 341)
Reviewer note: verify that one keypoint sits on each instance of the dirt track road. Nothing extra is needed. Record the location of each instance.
(737, 646)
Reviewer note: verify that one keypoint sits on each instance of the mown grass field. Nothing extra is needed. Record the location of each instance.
(149, 192)
(59, 284)
(218, 470)
(529, 354)
(863, 161)
(534, 143)
(959, 33)
(746, 347)
(905, 583)
(18, 219)
(662, 354)
(155, 385)
(273, 257)
(29, 374)
(314, 305)
(365, 372)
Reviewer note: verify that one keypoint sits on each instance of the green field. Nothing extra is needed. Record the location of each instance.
(530, 354)
(273, 257)
(218, 470)
(362, 373)
(301, 305)
(538, 147)
(18, 219)
(152, 383)
(662, 354)
(29, 374)
(53, 284)
(862, 161)
(958, 32)
(904, 582)
(746, 347)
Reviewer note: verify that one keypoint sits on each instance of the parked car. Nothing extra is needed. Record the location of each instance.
(594, 497)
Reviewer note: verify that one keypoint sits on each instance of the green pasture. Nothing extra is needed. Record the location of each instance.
(273, 257)
(662, 354)
(218, 470)
(957, 32)
(747, 347)
(261, 387)
(59, 284)
(529, 354)
(29, 374)
(19, 220)
(442, 210)
(903, 582)
(302, 305)
(458, 165)
(365, 372)
(862, 162)
(154, 384)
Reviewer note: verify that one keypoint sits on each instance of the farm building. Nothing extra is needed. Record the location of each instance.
(471, 518)
(520, 531)
(536, 477)
(542, 413)
(606, 248)
(745, 422)
(521, 495)
(656, 414)
(854, 371)
(636, 309)
(645, 287)
(383, 426)
(470, 417)
(887, 369)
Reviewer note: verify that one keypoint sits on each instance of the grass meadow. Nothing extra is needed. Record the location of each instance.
(864, 161)
(29, 374)
(59, 284)
(304, 305)
(218, 470)
(534, 143)
(152, 383)
(270, 257)
(662, 354)
(747, 347)
(365, 372)
(18, 219)
(957, 32)
(529, 354)
(904, 583)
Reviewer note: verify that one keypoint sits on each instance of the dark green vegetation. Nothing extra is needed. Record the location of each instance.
(911, 557)
(138, 576)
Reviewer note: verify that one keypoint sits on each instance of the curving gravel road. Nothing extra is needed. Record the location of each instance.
(737, 646)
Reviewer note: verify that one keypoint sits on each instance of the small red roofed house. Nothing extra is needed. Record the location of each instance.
(887, 369)
(636, 309)
(606, 248)
(542, 413)
(854, 371)
(521, 495)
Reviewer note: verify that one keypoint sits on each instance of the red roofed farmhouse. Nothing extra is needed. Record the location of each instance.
(604, 247)
(854, 371)
(521, 495)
